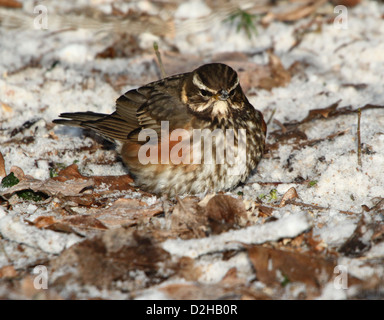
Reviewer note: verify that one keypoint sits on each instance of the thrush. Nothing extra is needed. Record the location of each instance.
(190, 133)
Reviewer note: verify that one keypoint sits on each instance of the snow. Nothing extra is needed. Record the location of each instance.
(12, 228)
(68, 78)
(283, 228)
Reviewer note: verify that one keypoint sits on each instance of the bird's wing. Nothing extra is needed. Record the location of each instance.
(147, 106)
(137, 109)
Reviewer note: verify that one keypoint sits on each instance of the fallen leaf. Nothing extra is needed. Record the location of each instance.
(50, 187)
(289, 195)
(8, 272)
(44, 222)
(116, 255)
(215, 291)
(293, 11)
(347, 3)
(18, 172)
(4, 106)
(79, 224)
(274, 266)
(188, 219)
(186, 268)
(278, 75)
(126, 212)
(10, 4)
(360, 240)
(3, 173)
(265, 211)
(321, 113)
(113, 183)
(224, 213)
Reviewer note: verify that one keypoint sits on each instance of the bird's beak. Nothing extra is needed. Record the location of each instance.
(222, 95)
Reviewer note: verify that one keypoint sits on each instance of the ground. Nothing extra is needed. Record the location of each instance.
(308, 224)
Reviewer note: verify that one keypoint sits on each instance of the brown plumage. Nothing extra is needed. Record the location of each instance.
(167, 158)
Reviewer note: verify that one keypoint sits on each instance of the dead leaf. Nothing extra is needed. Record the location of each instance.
(126, 212)
(186, 268)
(295, 11)
(69, 173)
(117, 255)
(347, 3)
(275, 266)
(278, 75)
(49, 187)
(79, 225)
(284, 136)
(188, 219)
(6, 108)
(18, 172)
(321, 113)
(360, 240)
(10, 4)
(3, 173)
(112, 182)
(289, 195)
(44, 222)
(265, 211)
(215, 291)
(224, 213)
(8, 272)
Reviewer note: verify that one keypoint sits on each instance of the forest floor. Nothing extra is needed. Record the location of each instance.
(308, 224)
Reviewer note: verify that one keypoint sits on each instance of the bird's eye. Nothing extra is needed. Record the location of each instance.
(205, 93)
(232, 92)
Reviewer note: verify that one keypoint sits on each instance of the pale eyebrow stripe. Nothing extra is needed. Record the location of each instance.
(235, 85)
(198, 83)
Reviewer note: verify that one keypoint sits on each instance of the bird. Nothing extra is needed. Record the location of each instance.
(190, 133)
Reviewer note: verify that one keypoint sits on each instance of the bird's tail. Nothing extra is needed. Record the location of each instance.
(110, 126)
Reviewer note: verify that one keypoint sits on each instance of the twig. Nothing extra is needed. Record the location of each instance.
(158, 56)
(314, 207)
(270, 118)
(358, 138)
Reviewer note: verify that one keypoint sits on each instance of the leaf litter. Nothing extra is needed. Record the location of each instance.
(280, 235)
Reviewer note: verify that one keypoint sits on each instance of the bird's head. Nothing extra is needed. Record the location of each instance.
(213, 89)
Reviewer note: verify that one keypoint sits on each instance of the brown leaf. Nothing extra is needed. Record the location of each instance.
(265, 211)
(126, 212)
(10, 4)
(188, 219)
(18, 172)
(50, 187)
(274, 266)
(289, 195)
(347, 3)
(83, 222)
(278, 75)
(113, 182)
(69, 173)
(3, 173)
(185, 268)
(215, 291)
(44, 222)
(300, 11)
(321, 113)
(224, 213)
(6, 107)
(78, 224)
(360, 240)
(8, 272)
(113, 256)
